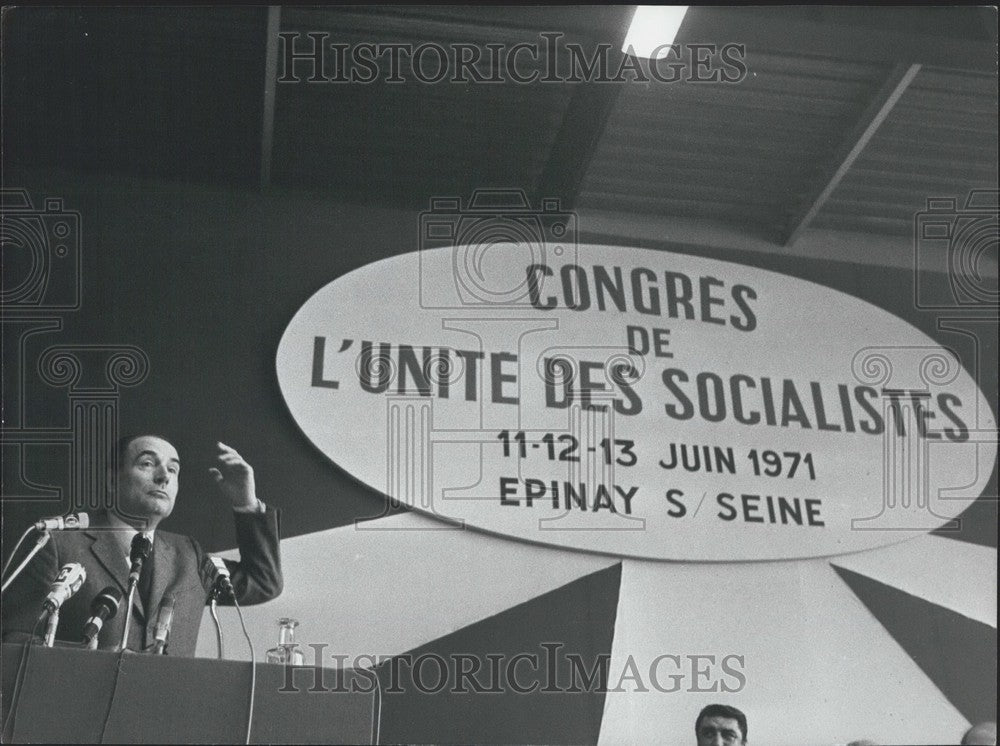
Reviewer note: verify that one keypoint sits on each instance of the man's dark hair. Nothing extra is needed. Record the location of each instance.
(122, 444)
(722, 711)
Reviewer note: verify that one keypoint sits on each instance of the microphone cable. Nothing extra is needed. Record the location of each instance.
(214, 611)
(22, 670)
(114, 692)
(377, 712)
(17, 546)
(42, 541)
(253, 668)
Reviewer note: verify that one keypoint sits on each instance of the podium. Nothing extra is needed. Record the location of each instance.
(71, 695)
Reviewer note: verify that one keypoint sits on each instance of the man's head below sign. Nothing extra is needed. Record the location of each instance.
(721, 725)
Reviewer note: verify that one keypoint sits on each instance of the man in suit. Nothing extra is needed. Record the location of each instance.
(147, 482)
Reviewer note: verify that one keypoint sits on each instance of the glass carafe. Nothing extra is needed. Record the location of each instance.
(287, 650)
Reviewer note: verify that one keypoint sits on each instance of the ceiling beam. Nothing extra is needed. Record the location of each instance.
(582, 125)
(853, 144)
(270, 84)
(575, 143)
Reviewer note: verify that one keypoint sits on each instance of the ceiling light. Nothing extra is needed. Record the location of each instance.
(653, 29)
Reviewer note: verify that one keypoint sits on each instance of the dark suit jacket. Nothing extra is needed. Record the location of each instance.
(177, 569)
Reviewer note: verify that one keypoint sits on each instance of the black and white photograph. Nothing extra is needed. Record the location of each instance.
(485, 374)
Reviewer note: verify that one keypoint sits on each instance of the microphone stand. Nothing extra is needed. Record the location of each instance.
(41, 542)
(128, 614)
(138, 555)
(164, 622)
(213, 609)
(50, 629)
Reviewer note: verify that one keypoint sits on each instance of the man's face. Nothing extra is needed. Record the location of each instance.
(147, 480)
(716, 730)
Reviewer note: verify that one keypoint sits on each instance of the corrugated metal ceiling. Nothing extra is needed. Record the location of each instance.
(738, 153)
(847, 120)
(939, 140)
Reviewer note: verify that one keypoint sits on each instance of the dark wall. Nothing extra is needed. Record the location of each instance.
(205, 281)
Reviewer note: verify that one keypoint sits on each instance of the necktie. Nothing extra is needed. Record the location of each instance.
(146, 583)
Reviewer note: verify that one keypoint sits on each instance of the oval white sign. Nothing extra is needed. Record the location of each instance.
(636, 402)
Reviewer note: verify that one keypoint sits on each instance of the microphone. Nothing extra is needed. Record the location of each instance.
(139, 553)
(69, 522)
(218, 573)
(67, 582)
(163, 622)
(102, 608)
